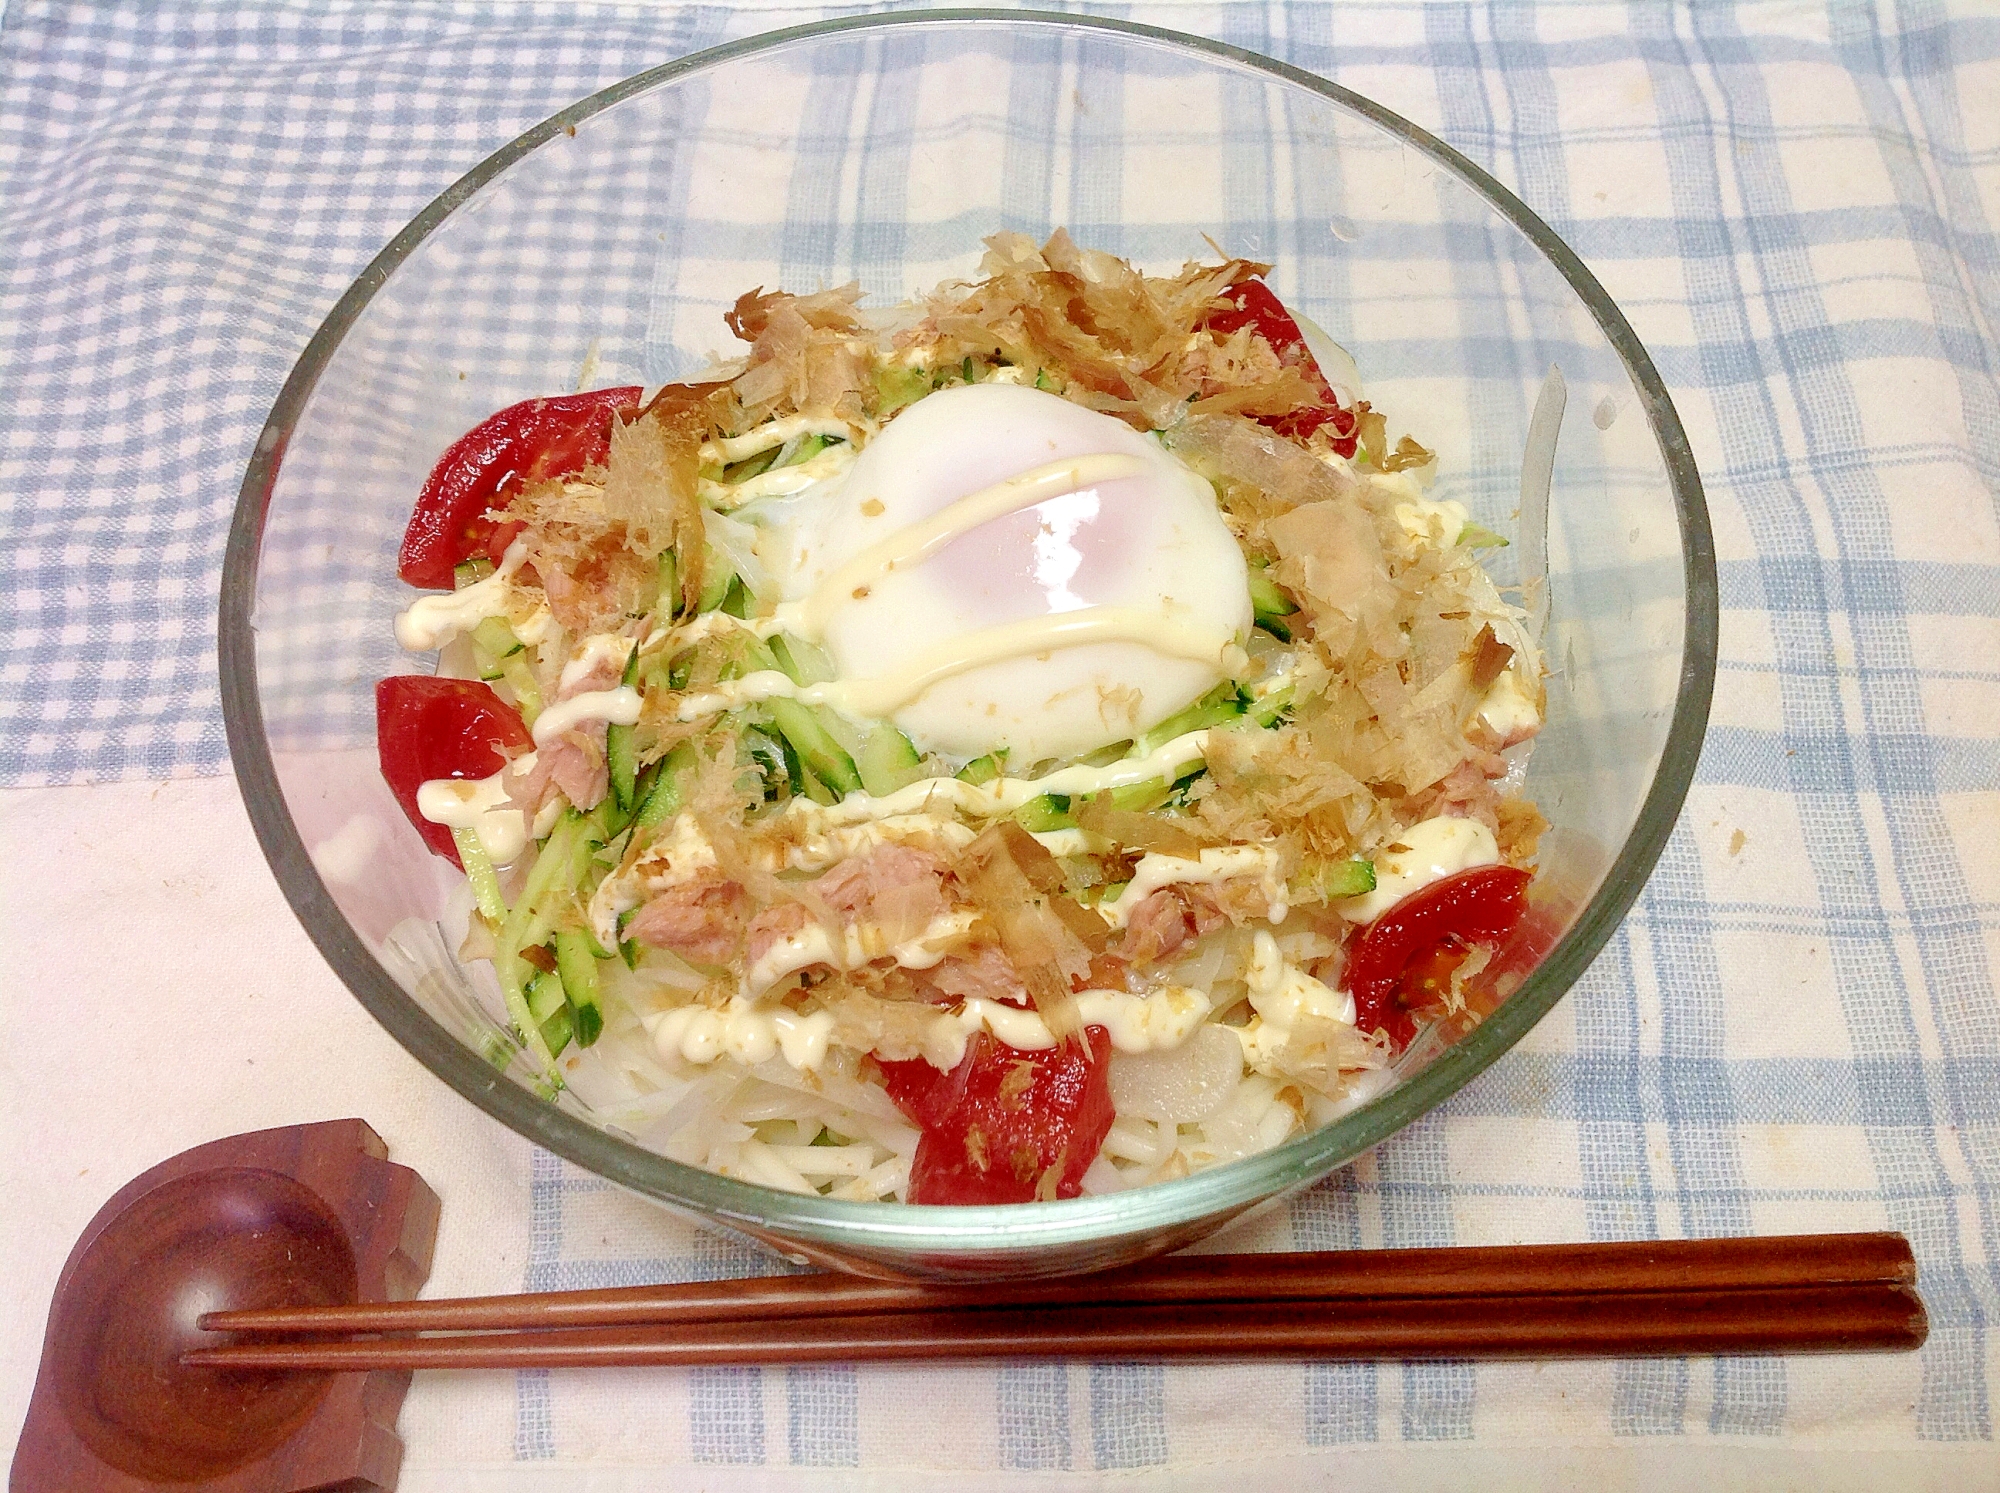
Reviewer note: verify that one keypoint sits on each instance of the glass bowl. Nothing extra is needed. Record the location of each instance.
(602, 247)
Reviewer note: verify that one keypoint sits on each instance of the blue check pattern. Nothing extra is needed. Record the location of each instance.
(1798, 1027)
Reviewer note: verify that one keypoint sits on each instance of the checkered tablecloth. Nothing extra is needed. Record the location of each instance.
(1798, 1028)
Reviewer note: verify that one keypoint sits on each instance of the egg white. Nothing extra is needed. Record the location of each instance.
(1153, 542)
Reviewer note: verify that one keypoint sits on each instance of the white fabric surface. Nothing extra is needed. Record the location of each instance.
(215, 1016)
(1794, 1030)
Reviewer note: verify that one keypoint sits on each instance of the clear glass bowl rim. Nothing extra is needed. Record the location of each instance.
(895, 1227)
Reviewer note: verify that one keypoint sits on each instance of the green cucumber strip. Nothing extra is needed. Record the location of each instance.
(669, 787)
(796, 776)
(1043, 381)
(888, 761)
(738, 601)
(1223, 703)
(526, 927)
(628, 950)
(1138, 798)
(1267, 598)
(479, 872)
(578, 967)
(1324, 881)
(520, 678)
(495, 639)
(983, 769)
(551, 1012)
(780, 651)
(751, 466)
(496, 1049)
(1040, 816)
(773, 758)
(1479, 537)
(620, 757)
(800, 449)
(642, 787)
(1265, 712)
(801, 728)
(470, 572)
(1277, 627)
(824, 757)
(717, 575)
(604, 824)
(801, 662)
(545, 995)
(667, 589)
(896, 386)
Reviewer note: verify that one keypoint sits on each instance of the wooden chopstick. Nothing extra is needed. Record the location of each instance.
(1845, 1318)
(1691, 1265)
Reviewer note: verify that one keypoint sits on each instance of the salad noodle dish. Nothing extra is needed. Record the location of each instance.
(1037, 739)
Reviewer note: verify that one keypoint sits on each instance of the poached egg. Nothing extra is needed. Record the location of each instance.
(1004, 569)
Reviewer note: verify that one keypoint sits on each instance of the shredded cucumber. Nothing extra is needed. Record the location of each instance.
(526, 926)
(888, 761)
(802, 663)
(717, 576)
(550, 1011)
(898, 386)
(669, 788)
(521, 679)
(983, 769)
(1479, 537)
(1040, 816)
(1271, 604)
(667, 588)
(1223, 703)
(1265, 712)
(578, 967)
(1327, 880)
(619, 755)
(821, 755)
(479, 873)
(493, 642)
(1138, 798)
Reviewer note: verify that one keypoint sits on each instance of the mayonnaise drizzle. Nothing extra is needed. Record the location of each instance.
(779, 482)
(484, 806)
(860, 944)
(598, 649)
(1166, 762)
(773, 433)
(884, 694)
(1283, 995)
(1425, 852)
(619, 706)
(914, 543)
(753, 1033)
(1218, 863)
(431, 621)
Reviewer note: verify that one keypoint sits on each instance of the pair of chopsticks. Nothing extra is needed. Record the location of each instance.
(1804, 1294)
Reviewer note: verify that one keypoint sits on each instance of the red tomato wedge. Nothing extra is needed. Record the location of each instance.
(428, 728)
(529, 441)
(1002, 1120)
(1407, 945)
(1251, 304)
